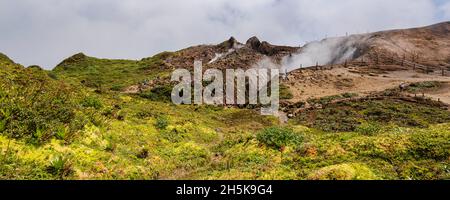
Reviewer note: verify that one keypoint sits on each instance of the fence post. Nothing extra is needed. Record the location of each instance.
(376, 62)
(403, 60)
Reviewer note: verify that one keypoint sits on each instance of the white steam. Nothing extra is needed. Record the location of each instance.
(222, 55)
(327, 51)
(265, 63)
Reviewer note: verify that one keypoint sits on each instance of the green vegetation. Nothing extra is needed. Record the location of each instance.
(52, 126)
(285, 92)
(330, 99)
(368, 128)
(351, 171)
(423, 86)
(5, 60)
(362, 115)
(110, 74)
(161, 123)
(92, 102)
(158, 93)
(37, 108)
(278, 137)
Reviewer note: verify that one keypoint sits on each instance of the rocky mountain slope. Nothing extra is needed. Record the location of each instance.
(230, 54)
(426, 45)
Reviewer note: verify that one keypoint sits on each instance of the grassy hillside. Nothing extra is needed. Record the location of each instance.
(6, 62)
(55, 125)
(110, 74)
(37, 108)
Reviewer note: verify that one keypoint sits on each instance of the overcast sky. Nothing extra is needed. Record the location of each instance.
(44, 32)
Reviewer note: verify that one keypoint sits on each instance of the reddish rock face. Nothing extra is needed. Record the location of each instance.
(242, 56)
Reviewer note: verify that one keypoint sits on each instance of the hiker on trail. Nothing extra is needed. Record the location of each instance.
(403, 87)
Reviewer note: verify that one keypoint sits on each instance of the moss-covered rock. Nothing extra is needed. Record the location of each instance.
(353, 171)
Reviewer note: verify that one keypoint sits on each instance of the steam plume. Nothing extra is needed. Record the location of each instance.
(324, 52)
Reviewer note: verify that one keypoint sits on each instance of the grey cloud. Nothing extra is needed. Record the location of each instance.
(46, 31)
(445, 9)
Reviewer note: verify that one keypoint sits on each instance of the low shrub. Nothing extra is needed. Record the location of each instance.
(421, 86)
(161, 123)
(368, 128)
(92, 102)
(60, 166)
(349, 95)
(278, 138)
(159, 93)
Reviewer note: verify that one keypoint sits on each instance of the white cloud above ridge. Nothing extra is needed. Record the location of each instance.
(46, 31)
(445, 9)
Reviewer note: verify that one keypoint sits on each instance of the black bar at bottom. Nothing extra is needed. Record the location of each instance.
(225, 189)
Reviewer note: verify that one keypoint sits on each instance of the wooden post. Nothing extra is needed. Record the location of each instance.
(403, 60)
(317, 65)
(376, 62)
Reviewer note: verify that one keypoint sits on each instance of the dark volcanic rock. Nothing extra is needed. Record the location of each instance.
(230, 43)
(267, 48)
(253, 43)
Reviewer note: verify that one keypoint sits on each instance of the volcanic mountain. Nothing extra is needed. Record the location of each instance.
(370, 106)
